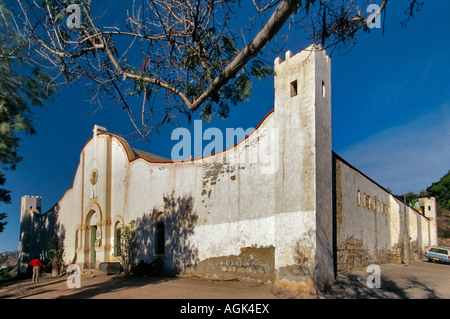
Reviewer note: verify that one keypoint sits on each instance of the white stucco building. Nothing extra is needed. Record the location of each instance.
(279, 205)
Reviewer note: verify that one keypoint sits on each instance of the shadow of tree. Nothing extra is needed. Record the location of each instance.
(179, 224)
(46, 233)
(24, 289)
(351, 286)
(115, 284)
(431, 294)
(37, 293)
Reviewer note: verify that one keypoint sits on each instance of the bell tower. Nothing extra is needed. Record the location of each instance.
(29, 206)
(303, 182)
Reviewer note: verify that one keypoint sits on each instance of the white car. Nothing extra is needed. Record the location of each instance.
(439, 254)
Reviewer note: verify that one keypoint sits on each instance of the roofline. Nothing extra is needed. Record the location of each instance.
(376, 183)
(131, 157)
(192, 159)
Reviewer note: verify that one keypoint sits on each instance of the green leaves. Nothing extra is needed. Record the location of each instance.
(5, 197)
(236, 91)
(205, 61)
(441, 190)
(22, 86)
(20, 90)
(190, 60)
(228, 45)
(244, 87)
(128, 245)
(260, 70)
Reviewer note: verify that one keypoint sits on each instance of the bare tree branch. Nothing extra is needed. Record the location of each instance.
(183, 55)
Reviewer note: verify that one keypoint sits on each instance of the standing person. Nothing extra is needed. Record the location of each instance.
(36, 263)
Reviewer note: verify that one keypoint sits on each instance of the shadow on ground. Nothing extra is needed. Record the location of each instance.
(419, 281)
(94, 285)
(22, 288)
(114, 284)
(351, 286)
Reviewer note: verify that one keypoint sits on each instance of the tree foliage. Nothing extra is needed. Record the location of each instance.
(201, 55)
(127, 246)
(441, 190)
(5, 198)
(23, 86)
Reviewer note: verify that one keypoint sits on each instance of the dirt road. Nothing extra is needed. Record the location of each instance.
(418, 281)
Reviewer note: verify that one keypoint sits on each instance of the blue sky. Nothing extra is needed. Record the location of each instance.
(390, 115)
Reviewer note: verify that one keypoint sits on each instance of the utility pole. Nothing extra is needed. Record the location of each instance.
(405, 234)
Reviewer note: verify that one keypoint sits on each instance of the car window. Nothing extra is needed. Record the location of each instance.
(439, 251)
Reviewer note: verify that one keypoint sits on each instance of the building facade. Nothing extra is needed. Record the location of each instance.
(277, 206)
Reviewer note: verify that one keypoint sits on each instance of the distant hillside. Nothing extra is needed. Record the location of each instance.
(441, 190)
(443, 221)
(8, 264)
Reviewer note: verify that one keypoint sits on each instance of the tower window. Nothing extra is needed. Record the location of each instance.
(323, 88)
(293, 88)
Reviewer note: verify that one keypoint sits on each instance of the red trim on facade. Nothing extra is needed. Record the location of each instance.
(122, 141)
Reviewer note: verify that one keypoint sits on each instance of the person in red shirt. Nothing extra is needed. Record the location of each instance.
(36, 263)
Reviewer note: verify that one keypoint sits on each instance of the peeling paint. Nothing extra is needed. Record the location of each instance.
(253, 263)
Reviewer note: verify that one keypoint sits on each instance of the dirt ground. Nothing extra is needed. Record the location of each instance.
(420, 280)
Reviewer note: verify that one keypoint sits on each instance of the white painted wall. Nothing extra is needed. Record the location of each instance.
(281, 197)
(375, 234)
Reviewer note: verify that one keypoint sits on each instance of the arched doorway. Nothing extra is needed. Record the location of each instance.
(93, 219)
(117, 239)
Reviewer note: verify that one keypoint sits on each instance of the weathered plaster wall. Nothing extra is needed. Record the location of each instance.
(269, 195)
(362, 221)
(27, 205)
(263, 209)
(372, 226)
(303, 194)
(428, 206)
(213, 206)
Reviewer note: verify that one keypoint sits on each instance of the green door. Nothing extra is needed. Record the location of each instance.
(93, 238)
